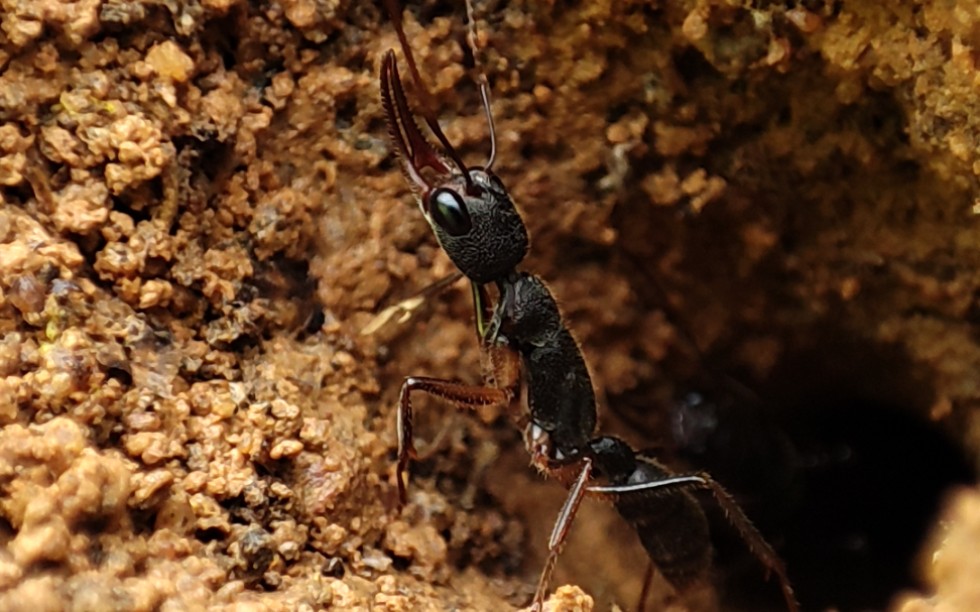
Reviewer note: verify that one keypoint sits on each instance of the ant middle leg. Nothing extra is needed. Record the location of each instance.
(559, 532)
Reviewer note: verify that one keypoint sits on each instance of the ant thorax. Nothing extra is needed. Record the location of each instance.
(561, 399)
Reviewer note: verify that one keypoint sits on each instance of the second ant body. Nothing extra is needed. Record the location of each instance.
(529, 348)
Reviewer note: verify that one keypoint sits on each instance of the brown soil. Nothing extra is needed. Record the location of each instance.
(201, 212)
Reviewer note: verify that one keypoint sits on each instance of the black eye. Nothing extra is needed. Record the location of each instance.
(449, 212)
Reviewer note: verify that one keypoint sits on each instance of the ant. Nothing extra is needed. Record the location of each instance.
(534, 367)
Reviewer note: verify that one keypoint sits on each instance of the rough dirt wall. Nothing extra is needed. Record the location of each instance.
(201, 212)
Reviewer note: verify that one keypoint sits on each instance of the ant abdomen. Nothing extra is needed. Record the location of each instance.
(672, 527)
(669, 521)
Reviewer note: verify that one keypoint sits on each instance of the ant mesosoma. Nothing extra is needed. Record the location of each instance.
(532, 360)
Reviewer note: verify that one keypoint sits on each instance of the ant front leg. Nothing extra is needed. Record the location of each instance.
(464, 396)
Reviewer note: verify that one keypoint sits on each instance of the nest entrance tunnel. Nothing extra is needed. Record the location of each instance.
(832, 455)
(874, 470)
(776, 380)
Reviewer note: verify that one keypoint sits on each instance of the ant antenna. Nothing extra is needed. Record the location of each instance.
(485, 96)
(430, 120)
(471, 39)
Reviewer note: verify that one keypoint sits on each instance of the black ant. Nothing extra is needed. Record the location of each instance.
(533, 360)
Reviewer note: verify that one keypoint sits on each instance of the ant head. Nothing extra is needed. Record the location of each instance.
(476, 224)
(468, 209)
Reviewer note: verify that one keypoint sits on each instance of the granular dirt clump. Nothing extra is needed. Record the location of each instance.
(200, 212)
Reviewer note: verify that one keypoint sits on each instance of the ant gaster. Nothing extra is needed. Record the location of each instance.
(527, 347)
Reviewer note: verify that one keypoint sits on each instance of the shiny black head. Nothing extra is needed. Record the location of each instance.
(477, 225)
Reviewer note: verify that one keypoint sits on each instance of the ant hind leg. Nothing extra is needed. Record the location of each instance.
(754, 540)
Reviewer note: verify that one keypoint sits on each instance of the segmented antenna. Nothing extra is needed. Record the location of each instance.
(472, 39)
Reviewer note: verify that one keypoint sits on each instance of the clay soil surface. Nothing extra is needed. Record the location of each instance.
(200, 213)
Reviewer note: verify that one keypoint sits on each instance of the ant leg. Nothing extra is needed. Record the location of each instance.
(756, 544)
(753, 539)
(560, 531)
(613, 492)
(645, 591)
(464, 396)
(485, 314)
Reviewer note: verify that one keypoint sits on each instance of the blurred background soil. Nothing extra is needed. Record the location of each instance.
(759, 219)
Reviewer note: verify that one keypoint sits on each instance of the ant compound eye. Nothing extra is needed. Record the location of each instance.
(449, 212)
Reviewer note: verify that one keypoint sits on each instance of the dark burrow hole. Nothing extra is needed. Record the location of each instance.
(833, 456)
(835, 465)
